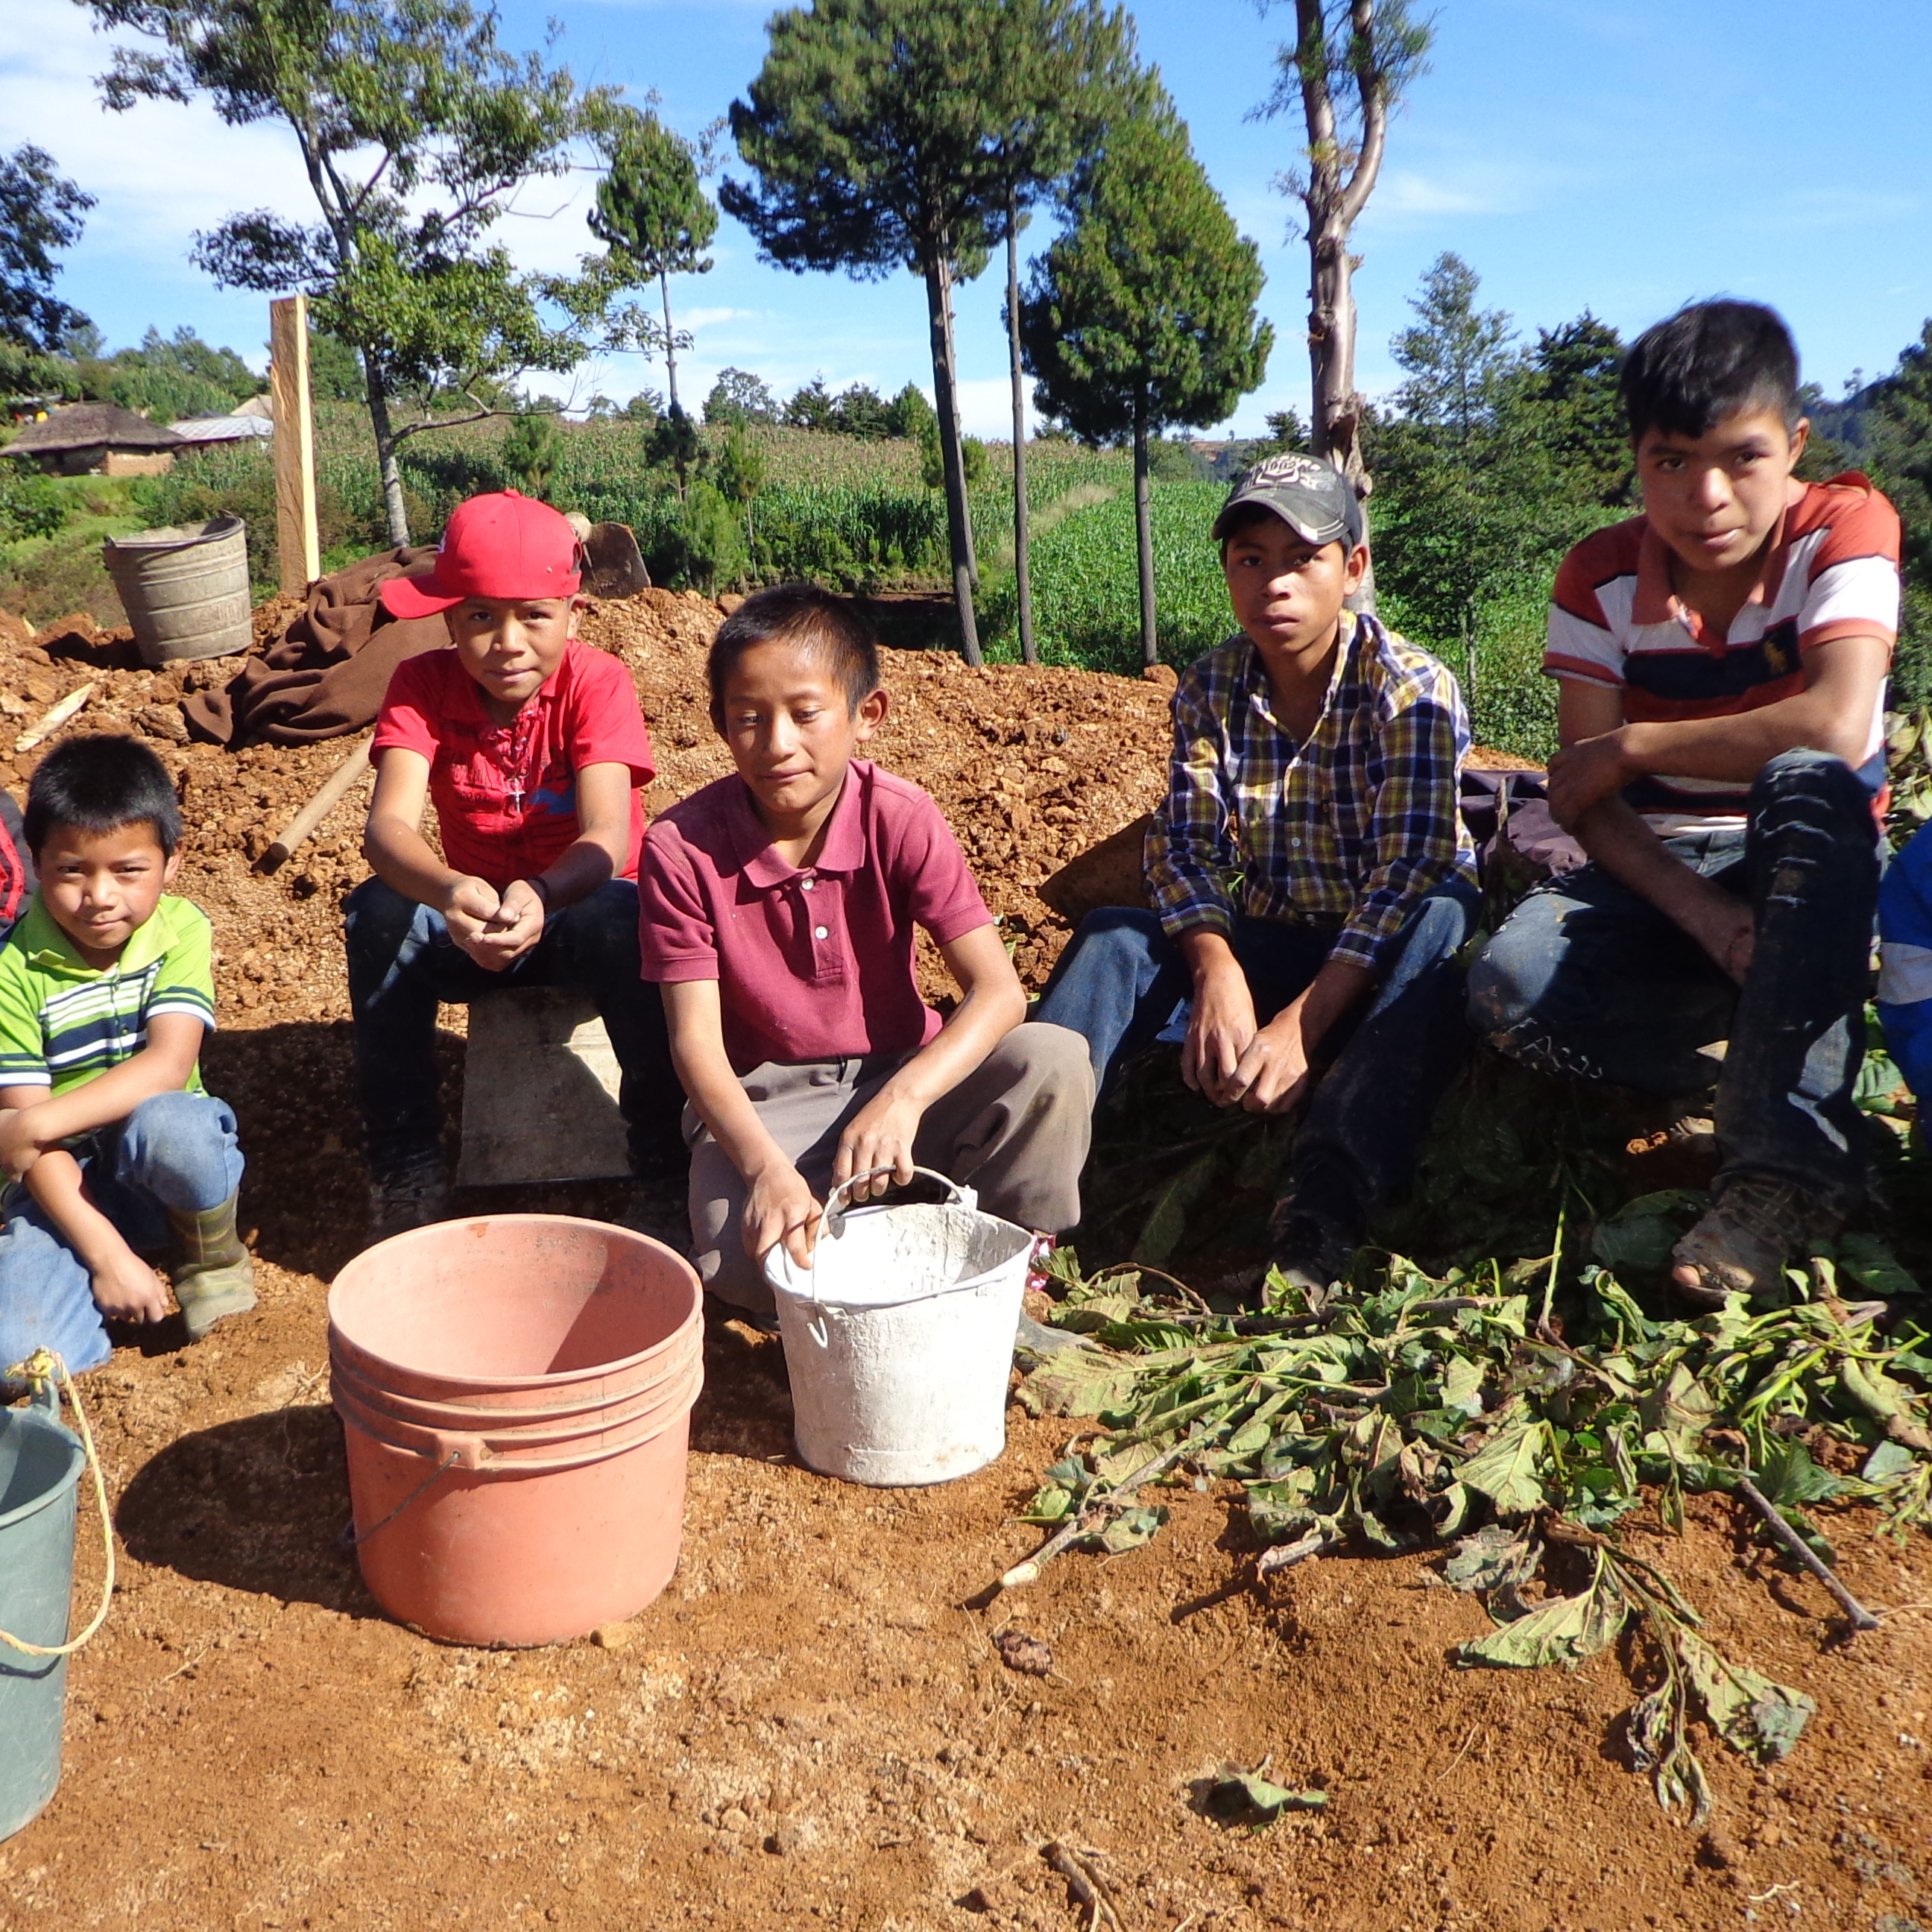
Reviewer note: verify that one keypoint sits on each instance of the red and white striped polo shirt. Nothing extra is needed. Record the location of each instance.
(1832, 571)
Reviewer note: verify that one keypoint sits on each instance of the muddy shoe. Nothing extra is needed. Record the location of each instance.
(412, 1198)
(1750, 1231)
(1312, 1253)
(215, 1276)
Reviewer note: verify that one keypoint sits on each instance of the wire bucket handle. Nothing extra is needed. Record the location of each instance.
(837, 1203)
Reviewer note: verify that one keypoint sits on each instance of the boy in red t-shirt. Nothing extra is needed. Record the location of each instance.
(1722, 661)
(532, 749)
(779, 909)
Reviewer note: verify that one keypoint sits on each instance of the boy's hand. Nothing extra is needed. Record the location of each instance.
(469, 906)
(126, 1289)
(880, 1135)
(1274, 1075)
(1723, 925)
(781, 1208)
(517, 924)
(1220, 1029)
(1583, 774)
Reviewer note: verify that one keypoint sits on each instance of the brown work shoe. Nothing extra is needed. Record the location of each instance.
(1748, 1234)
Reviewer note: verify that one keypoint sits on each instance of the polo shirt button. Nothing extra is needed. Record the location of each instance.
(821, 932)
(805, 885)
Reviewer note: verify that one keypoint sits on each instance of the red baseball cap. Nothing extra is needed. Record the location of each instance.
(504, 545)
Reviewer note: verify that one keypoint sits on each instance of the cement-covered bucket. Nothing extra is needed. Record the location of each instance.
(899, 1337)
(515, 1392)
(41, 1462)
(185, 591)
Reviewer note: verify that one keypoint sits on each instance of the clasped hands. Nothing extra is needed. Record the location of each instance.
(1227, 1057)
(494, 928)
(780, 1207)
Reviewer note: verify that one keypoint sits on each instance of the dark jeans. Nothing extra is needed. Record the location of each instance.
(1124, 984)
(1587, 978)
(403, 964)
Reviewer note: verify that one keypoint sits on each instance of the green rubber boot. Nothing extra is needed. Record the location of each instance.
(215, 1276)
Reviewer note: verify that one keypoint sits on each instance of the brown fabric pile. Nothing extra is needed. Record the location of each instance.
(326, 675)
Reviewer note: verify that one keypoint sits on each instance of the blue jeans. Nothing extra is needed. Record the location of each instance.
(403, 964)
(174, 1151)
(1586, 977)
(1123, 983)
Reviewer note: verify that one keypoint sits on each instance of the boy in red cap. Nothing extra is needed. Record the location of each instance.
(531, 746)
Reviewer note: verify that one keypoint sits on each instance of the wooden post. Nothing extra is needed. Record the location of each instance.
(298, 542)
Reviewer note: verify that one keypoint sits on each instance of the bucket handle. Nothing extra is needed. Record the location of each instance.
(47, 1375)
(835, 1209)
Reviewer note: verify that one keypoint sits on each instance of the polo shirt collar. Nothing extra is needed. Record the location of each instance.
(50, 949)
(843, 850)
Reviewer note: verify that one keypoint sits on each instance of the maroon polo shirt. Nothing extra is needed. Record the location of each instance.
(812, 964)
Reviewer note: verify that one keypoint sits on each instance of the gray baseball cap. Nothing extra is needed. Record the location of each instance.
(1311, 497)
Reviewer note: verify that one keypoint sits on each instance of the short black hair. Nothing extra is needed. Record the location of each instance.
(101, 783)
(1710, 360)
(804, 615)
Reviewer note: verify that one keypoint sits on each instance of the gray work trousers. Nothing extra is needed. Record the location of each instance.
(1016, 1130)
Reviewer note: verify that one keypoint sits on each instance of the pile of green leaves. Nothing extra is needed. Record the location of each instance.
(1520, 1428)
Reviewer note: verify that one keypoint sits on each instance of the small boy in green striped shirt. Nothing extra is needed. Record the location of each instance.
(114, 1147)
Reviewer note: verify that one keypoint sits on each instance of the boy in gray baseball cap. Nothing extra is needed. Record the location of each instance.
(1310, 877)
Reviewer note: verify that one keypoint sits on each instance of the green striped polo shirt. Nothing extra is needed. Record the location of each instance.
(63, 1021)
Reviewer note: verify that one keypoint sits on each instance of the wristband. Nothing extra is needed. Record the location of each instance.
(541, 887)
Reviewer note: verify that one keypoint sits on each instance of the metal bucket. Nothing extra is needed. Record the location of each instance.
(185, 591)
(41, 1462)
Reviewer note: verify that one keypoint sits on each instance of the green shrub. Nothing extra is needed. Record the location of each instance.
(31, 505)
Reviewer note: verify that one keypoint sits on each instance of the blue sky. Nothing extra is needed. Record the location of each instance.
(1623, 155)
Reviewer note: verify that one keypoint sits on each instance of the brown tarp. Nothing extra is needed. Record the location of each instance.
(325, 676)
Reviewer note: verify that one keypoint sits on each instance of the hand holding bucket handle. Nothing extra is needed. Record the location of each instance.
(837, 1203)
(839, 1200)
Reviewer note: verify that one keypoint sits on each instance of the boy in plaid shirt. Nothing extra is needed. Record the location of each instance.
(1311, 877)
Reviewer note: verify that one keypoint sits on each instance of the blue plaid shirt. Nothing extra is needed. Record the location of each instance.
(1348, 830)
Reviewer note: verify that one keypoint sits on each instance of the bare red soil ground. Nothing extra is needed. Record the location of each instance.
(812, 1727)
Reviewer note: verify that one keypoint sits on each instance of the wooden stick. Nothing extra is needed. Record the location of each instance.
(1088, 1892)
(1285, 1556)
(52, 718)
(1861, 1618)
(334, 790)
(297, 543)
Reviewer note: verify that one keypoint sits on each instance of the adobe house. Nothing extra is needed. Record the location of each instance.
(96, 439)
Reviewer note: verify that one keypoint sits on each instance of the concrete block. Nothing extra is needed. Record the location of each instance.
(539, 1092)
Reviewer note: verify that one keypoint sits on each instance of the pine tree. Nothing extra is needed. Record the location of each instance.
(872, 131)
(1141, 316)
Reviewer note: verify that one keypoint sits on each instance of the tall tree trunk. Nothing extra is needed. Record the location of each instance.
(670, 346)
(1144, 532)
(952, 366)
(958, 524)
(1022, 562)
(393, 507)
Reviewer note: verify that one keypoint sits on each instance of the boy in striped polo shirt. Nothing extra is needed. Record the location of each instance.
(114, 1147)
(1722, 661)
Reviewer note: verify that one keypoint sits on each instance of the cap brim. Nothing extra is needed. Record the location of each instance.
(1274, 509)
(415, 596)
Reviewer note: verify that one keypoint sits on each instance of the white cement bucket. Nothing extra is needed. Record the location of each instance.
(899, 1338)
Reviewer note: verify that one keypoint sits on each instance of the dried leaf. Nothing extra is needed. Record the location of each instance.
(1080, 1381)
(1130, 1529)
(1565, 1630)
(1238, 1794)
(1751, 1714)
(1026, 1654)
(1494, 1559)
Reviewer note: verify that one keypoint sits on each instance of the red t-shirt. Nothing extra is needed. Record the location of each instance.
(505, 795)
(811, 964)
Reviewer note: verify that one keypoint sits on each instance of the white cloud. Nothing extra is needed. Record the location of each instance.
(1403, 194)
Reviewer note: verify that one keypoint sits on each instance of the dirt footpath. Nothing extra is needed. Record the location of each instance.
(811, 1727)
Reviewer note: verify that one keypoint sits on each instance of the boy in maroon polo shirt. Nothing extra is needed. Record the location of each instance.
(532, 749)
(779, 908)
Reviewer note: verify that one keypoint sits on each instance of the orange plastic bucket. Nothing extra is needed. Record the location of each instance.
(515, 1391)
